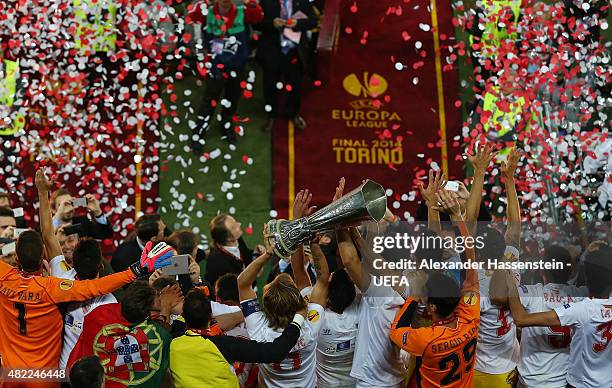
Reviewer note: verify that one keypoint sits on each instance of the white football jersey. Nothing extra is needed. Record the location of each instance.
(336, 346)
(545, 350)
(242, 369)
(298, 368)
(75, 311)
(591, 347)
(377, 360)
(498, 348)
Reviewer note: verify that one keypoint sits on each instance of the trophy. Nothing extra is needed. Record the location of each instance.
(365, 203)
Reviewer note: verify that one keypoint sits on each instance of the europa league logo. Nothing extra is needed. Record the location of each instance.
(365, 203)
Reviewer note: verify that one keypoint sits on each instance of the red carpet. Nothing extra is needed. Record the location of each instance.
(368, 119)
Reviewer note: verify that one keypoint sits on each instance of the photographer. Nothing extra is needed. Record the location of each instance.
(63, 206)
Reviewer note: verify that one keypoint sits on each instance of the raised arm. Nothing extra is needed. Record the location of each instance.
(249, 275)
(46, 224)
(300, 276)
(513, 212)
(64, 290)
(350, 259)
(449, 202)
(480, 162)
(347, 249)
(320, 289)
(428, 193)
(301, 208)
(521, 317)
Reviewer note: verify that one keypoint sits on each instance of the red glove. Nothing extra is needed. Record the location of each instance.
(152, 258)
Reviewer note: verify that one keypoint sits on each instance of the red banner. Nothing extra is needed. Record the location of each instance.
(387, 109)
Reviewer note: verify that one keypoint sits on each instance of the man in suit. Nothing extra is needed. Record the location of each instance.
(62, 205)
(149, 227)
(281, 56)
(228, 253)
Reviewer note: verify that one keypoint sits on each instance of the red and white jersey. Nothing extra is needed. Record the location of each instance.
(75, 311)
(336, 346)
(545, 351)
(377, 361)
(498, 348)
(591, 347)
(298, 368)
(242, 369)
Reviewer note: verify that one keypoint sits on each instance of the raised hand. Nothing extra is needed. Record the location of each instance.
(301, 204)
(194, 270)
(508, 167)
(463, 193)
(339, 190)
(266, 235)
(448, 202)
(482, 158)
(170, 298)
(43, 184)
(434, 184)
(152, 258)
(158, 273)
(93, 205)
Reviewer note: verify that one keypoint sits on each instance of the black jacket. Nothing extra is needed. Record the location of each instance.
(269, 49)
(220, 262)
(127, 253)
(92, 228)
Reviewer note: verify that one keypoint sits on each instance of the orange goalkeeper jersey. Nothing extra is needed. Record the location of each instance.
(31, 324)
(445, 355)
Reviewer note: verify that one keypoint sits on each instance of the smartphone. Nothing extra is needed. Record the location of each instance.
(8, 249)
(18, 212)
(18, 231)
(73, 229)
(79, 202)
(452, 186)
(179, 266)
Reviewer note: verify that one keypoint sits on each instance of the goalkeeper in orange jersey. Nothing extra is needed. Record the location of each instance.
(30, 321)
(445, 351)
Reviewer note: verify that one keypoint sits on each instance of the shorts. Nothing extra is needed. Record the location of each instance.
(486, 380)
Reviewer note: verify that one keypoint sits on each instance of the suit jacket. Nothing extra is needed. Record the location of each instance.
(127, 253)
(92, 228)
(269, 49)
(220, 262)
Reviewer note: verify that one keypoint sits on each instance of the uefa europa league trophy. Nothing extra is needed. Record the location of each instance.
(365, 203)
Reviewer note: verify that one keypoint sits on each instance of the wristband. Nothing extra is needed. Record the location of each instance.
(138, 270)
(298, 319)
